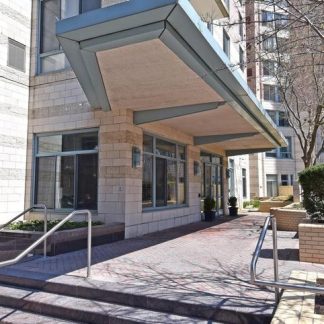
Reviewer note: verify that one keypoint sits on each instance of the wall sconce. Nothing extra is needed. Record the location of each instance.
(228, 173)
(197, 168)
(136, 157)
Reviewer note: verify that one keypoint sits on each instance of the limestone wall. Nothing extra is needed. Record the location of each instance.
(15, 24)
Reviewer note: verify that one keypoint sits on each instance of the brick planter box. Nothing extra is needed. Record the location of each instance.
(66, 240)
(311, 243)
(266, 205)
(288, 219)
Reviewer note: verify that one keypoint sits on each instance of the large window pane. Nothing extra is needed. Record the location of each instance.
(207, 180)
(69, 8)
(80, 142)
(172, 183)
(87, 181)
(148, 143)
(65, 182)
(88, 5)
(161, 182)
(182, 182)
(50, 13)
(45, 184)
(50, 144)
(165, 148)
(54, 62)
(147, 185)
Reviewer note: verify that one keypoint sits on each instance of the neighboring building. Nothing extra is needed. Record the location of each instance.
(229, 31)
(134, 110)
(15, 29)
(280, 166)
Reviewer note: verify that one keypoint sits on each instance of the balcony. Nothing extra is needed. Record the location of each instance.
(215, 9)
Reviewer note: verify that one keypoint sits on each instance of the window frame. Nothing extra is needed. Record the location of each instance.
(178, 161)
(74, 154)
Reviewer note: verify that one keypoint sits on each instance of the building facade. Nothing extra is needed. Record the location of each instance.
(15, 31)
(279, 167)
(135, 109)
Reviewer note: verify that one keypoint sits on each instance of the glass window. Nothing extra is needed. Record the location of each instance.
(147, 192)
(284, 180)
(283, 119)
(241, 59)
(165, 148)
(286, 152)
(52, 57)
(273, 153)
(70, 172)
(268, 43)
(241, 26)
(54, 62)
(67, 142)
(267, 18)
(244, 183)
(164, 171)
(88, 5)
(16, 55)
(269, 68)
(147, 143)
(280, 20)
(271, 93)
(226, 43)
(273, 115)
(45, 181)
(182, 182)
(50, 13)
(272, 185)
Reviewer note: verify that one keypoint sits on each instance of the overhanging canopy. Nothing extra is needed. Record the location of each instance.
(158, 59)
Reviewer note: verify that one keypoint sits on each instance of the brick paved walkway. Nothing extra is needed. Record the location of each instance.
(204, 259)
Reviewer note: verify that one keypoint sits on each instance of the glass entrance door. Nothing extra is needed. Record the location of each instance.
(212, 180)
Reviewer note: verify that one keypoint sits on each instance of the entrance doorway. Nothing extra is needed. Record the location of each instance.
(212, 180)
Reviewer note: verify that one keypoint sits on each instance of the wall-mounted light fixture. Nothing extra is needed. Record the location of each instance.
(136, 157)
(228, 173)
(197, 168)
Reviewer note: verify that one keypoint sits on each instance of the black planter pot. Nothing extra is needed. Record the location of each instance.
(233, 211)
(209, 215)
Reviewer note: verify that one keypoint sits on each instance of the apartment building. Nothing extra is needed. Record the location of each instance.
(280, 166)
(15, 31)
(138, 110)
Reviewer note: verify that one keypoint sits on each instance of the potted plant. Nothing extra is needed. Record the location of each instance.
(209, 206)
(232, 201)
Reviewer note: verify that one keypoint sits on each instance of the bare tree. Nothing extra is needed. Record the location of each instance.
(287, 37)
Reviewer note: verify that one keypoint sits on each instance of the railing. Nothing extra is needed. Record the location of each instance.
(44, 237)
(39, 206)
(276, 283)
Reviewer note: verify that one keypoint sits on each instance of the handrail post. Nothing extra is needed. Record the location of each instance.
(45, 231)
(89, 243)
(275, 256)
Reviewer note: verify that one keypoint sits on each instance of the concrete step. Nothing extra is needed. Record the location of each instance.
(182, 303)
(10, 315)
(82, 310)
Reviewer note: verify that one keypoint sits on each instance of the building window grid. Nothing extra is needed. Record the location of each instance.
(178, 161)
(279, 118)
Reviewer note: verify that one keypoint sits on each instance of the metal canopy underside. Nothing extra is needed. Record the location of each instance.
(158, 59)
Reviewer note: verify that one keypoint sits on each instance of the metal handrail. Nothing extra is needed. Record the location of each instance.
(41, 206)
(49, 233)
(276, 283)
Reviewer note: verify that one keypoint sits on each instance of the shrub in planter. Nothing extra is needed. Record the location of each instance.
(209, 206)
(312, 182)
(232, 201)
